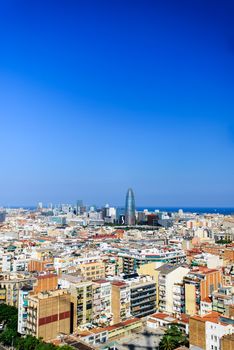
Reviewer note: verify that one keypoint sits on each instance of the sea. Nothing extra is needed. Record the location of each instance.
(198, 210)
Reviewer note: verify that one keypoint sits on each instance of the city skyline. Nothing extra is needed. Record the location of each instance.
(89, 107)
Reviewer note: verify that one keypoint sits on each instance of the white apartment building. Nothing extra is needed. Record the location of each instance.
(168, 276)
(214, 333)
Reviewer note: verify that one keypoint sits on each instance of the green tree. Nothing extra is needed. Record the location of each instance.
(7, 312)
(167, 343)
(45, 346)
(8, 337)
(27, 343)
(173, 338)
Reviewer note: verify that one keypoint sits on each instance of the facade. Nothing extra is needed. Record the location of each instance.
(200, 284)
(168, 275)
(41, 265)
(97, 336)
(130, 264)
(7, 260)
(82, 303)
(222, 299)
(120, 301)
(102, 302)
(23, 309)
(206, 331)
(92, 270)
(143, 298)
(130, 217)
(10, 284)
(49, 314)
(178, 298)
(227, 342)
(124, 328)
(45, 283)
(205, 306)
(134, 260)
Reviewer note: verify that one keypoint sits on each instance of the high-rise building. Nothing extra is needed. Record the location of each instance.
(130, 218)
(143, 296)
(120, 301)
(49, 314)
(200, 284)
(79, 205)
(2, 216)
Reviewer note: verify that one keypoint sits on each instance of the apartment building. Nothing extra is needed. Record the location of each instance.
(131, 264)
(168, 276)
(205, 306)
(6, 262)
(207, 331)
(227, 342)
(102, 315)
(142, 297)
(112, 266)
(168, 255)
(200, 283)
(23, 308)
(41, 265)
(82, 303)
(42, 283)
(92, 270)
(178, 298)
(120, 303)
(10, 284)
(49, 314)
(222, 299)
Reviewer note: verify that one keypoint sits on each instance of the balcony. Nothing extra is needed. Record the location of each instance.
(142, 302)
(162, 288)
(142, 296)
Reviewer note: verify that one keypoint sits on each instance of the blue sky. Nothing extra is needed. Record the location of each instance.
(99, 96)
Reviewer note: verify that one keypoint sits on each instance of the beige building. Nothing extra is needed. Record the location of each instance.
(168, 276)
(206, 332)
(200, 284)
(49, 314)
(227, 342)
(120, 301)
(92, 270)
(82, 303)
(10, 284)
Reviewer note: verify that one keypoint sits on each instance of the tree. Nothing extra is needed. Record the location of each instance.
(45, 346)
(9, 315)
(8, 337)
(27, 343)
(167, 343)
(173, 338)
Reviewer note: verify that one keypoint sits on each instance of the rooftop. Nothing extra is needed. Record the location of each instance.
(166, 269)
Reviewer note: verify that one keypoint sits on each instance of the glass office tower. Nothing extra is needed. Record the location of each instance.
(130, 218)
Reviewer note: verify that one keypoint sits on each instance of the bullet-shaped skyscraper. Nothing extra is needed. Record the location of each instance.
(130, 218)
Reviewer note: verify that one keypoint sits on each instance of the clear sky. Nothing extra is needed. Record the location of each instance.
(98, 96)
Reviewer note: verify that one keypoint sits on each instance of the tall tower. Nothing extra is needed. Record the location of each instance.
(130, 218)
